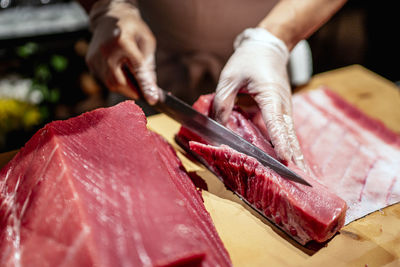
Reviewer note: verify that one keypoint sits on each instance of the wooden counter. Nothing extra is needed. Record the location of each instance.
(252, 241)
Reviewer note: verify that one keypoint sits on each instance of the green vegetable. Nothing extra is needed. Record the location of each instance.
(59, 63)
(27, 50)
(42, 73)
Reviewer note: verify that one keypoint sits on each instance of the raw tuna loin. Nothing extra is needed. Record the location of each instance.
(102, 190)
(305, 213)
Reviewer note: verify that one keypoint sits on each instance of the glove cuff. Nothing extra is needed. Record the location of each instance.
(262, 37)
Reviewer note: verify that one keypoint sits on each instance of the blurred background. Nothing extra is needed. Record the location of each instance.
(43, 75)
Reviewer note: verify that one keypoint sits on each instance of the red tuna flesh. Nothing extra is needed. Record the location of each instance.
(306, 213)
(102, 190)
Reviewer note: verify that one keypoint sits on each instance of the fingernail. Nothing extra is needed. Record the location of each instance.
(152, 96)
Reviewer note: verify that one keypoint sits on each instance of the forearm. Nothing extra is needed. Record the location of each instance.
(294, 20)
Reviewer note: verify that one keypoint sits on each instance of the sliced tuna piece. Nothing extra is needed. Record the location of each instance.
(102, 190)
(303, 212)
(306, 213)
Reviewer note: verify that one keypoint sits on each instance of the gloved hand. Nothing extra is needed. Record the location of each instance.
(121, 38)
(258, 67)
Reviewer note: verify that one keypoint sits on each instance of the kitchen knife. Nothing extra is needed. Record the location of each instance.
(215, 133)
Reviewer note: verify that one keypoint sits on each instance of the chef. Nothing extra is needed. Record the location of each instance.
(191, 47)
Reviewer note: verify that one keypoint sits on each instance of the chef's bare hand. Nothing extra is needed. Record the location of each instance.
(258, 67)
(121, 38)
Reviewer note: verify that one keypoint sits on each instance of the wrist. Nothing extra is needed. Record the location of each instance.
(281, 31)
(262, 37)
(112, 8)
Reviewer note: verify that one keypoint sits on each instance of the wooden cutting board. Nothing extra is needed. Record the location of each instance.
(252, 241)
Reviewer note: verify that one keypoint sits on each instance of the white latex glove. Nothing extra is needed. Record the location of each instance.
(121, 38)
(259, 67)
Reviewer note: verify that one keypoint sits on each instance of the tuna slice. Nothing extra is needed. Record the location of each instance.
(305, 213)
(102, 190)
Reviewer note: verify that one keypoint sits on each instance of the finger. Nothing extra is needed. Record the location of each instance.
(224, 99)
(123, 86)
(146, 77)
(112, 75)
(146, 44)
(272, 113)
(297, 157)
(110, 82)
(111, 72)
(143, 69)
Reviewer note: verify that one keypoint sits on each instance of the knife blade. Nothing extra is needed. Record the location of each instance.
(215, 133)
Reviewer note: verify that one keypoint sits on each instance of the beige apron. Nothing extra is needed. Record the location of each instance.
(195, 39)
